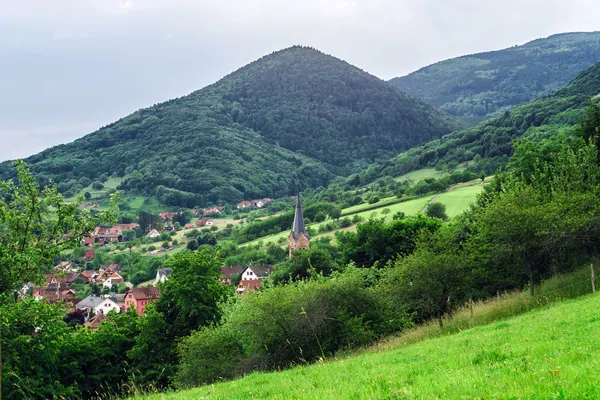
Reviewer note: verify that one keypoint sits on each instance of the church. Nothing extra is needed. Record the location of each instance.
(299, 237)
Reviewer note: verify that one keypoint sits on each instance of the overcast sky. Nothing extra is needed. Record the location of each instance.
(68, 67)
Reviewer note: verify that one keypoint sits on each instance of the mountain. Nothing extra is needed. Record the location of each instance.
(488, 145)
(481, 86)
(293, 119)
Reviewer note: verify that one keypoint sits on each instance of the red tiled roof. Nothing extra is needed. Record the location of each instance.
(145, 293)
(249, 286)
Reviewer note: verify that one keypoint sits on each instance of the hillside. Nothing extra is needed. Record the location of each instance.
(480, 86)
(550, 353)
(489, 144)
(290, 120)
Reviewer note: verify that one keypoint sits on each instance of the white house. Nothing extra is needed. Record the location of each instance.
(256, 272)
(153, 234)
(98, 304)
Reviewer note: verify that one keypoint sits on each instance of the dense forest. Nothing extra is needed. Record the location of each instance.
(290, 120)
(480, 86)
(489, 145)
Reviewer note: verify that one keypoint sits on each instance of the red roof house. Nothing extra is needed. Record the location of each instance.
(90, 254)
(138, 298)
(248, 286)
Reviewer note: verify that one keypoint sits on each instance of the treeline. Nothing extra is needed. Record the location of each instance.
(292, 120)
(482, 86)
(490, 144)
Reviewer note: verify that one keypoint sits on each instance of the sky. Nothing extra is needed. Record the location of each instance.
(68, 67)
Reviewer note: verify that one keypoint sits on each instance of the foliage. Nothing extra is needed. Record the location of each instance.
(303, 264)
(256, 133)
(480, 86)
(437, 210)
(291, 324)
(376, 242)
(490, 144)
(35, 226)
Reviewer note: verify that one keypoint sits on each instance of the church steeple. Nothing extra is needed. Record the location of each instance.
(298, 226)
(299, 237)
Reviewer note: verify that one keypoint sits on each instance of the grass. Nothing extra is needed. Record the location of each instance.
(459, 200)
(549, 353)
(420, 174)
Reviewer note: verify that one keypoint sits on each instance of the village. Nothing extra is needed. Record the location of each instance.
(90, 294)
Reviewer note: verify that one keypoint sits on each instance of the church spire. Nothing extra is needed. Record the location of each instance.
(298, 226)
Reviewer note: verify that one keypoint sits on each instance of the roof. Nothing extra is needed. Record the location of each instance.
(298, 226)
(89, 274)
(262, 271)
(249, 285)
(165, 271)
(229, 272)
(90, 302)
(96, 320)
(145, 293)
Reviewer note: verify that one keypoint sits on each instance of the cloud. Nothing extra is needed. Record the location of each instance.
(84, 63)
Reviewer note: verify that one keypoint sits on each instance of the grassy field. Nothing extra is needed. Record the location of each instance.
(550, 353)
(420, 174)
(459, 200)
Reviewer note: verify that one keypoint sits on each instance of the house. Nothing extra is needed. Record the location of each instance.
(89, 241)
(90, 254)
(113, 279)
(244, 204)
(26, 289)
(216, 210)
(128, 227)
(162, 275)
(167, 216)
(228, 273)
(189, 226)
(88, 276)
(153, 234)
(138, 298)
(95, 305)
(110, 268)
(254, 272)
(204, 222)
(95, 321)
(248, 286)
(65, 266)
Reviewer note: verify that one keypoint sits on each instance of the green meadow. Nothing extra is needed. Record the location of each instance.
(549, 353)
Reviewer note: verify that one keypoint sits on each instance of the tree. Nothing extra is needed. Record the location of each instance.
(376, 242)
(148, 221)
(35, 226)
(303, 264)
(589, 127)
(189, 299)
(437, 210)
(435, 279)
(335, 213)
(87, 195)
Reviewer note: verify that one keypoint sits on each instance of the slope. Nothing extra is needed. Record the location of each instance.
(480, 86)
(489, 144)
(550, 353)
(293, 119)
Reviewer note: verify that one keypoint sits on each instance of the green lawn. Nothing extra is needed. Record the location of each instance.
(420, 174)
(459, 200)
(552, 353)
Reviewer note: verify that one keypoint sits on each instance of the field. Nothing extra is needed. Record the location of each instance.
(550, 353)
(459, 200)
(420, 174)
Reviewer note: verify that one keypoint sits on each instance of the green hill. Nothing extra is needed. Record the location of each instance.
(489, 144)
(480, 86)
(290, 120)
(551, 353)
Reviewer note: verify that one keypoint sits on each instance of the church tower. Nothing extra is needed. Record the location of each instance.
(299, 237)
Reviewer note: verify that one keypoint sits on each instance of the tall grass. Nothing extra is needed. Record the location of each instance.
(503, 306)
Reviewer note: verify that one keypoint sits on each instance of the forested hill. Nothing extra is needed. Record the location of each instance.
(489, 145)
(480, 86)
(293, 119)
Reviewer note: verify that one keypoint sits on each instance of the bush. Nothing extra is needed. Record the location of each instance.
(97, 186)
(437, 210)
(290, 324)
